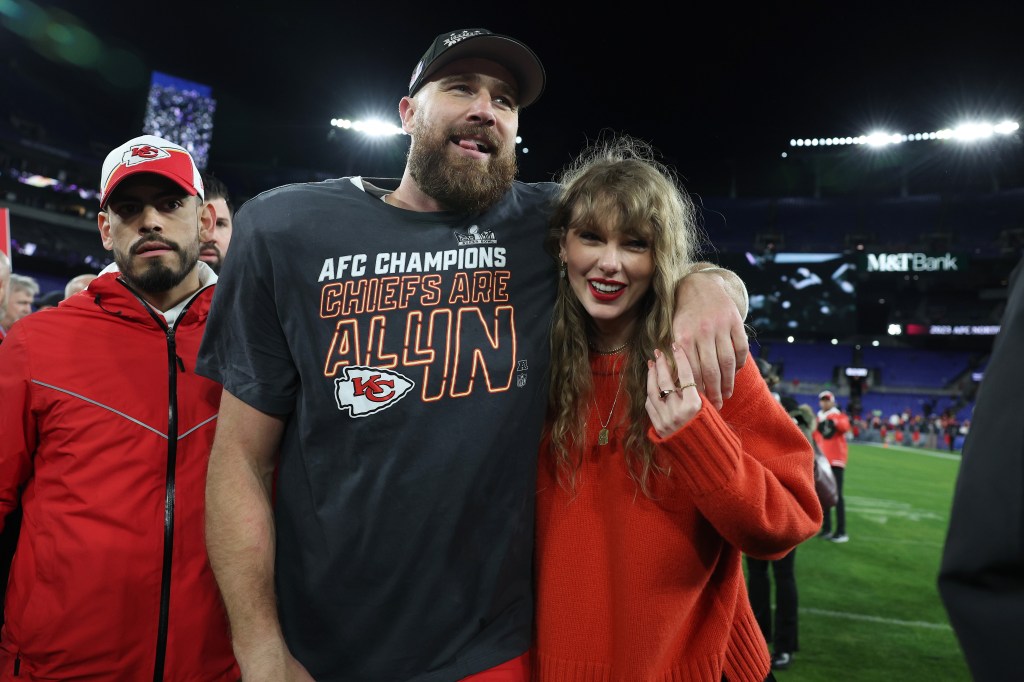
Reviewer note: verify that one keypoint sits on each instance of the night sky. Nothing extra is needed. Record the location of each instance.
(711, 87)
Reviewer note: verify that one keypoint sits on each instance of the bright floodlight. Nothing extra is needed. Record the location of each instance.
(880, 139)
(369, 127)
(966, 132)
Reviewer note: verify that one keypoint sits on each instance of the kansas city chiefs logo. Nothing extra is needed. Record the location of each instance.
(141, 153)
(365, 390)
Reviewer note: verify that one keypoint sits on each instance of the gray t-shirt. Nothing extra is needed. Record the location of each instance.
(409, 352)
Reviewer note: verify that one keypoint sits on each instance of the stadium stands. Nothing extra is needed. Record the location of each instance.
(912, 367)
(810, 363)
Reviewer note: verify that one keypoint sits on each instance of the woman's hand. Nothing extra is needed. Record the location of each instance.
(671, 401)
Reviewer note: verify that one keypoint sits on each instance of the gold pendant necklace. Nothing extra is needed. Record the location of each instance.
(602, 435)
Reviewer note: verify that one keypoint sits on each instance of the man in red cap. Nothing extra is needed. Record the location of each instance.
(383, 346)
(831, 438)
(107, 430)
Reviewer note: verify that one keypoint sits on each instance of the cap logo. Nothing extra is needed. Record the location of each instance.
(416, 73)
(141, 153)
(456, 38)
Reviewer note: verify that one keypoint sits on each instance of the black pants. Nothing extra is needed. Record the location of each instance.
(826, 525)
(781, 631)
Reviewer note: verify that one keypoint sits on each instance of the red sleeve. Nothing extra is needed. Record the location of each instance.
(17, 420)
(749, 469)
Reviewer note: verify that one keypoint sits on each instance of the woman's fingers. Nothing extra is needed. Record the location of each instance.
(683, 367)
(671, 400)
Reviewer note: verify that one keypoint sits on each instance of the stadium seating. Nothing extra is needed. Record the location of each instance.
(911, 367)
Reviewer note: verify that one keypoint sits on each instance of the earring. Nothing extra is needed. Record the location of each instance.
(562, 269)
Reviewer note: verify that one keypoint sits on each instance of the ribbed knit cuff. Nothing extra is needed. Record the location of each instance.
(706, 451)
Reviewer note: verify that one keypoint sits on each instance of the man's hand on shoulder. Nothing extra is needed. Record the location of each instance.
(711, 303)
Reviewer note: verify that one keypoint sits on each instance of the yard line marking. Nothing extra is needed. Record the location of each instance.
(888, 540)
(876, 619)
(916, 451)
(881, 510)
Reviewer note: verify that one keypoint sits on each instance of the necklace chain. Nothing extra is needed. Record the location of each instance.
(602, 435)
(613, 351)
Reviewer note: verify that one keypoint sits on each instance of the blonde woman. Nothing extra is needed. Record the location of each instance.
(647, 495)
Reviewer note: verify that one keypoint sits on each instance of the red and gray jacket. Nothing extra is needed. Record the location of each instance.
(834, 447)
(106, 433)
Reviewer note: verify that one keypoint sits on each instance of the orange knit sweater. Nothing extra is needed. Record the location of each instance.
(634, 589)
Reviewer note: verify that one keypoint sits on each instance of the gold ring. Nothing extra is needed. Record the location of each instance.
(665, 394)
(692, 384)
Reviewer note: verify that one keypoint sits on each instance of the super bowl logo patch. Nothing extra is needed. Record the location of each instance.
(475, 236)
(366, 390)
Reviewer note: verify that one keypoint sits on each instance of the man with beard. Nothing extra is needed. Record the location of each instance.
(107, 430)
(5, 282)
(383, 346)
(213, 250)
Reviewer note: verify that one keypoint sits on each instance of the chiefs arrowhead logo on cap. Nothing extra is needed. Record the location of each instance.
(150, 154)
(141, 153)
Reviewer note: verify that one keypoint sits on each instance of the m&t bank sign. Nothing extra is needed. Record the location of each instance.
(912, 262)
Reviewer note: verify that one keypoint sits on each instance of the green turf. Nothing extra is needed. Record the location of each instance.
(870, 609)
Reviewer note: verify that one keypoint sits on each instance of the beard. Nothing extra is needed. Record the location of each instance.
(459, 184)
(154, 277)
(212, 249)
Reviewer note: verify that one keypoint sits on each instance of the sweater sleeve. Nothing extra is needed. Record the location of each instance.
(749, 470)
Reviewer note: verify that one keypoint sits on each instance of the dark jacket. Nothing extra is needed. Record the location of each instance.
(981, 579)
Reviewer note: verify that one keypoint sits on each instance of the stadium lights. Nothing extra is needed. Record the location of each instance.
(370, 127)
(376, 128)
(967, 132)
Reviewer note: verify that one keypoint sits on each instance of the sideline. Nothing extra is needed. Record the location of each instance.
(877, 619)
(904, 448)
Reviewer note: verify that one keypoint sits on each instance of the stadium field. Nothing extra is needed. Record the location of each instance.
(870, 609)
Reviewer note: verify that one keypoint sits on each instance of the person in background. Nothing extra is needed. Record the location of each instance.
(52, 299)
(212, 251)
(21, 294)
(5, 281)
(9, 532)
(383, 347)
(106, 436)
(78, 283)
(770, 377)
(830, 436)
(981, 575)
(932, 428)
(781, 627)
(647, 494)
(48, 300)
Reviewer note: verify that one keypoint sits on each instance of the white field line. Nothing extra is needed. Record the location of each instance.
(881, 510)
(876, 619)
(917, 451)
(905, 542)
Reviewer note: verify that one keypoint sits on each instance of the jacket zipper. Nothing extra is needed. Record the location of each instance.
(173, 364)
(169, 491)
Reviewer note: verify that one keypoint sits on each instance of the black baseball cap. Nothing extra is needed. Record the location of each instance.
(49, 299)
(479, 42)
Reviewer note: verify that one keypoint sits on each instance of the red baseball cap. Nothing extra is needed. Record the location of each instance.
(827, 395)
(150, 154)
